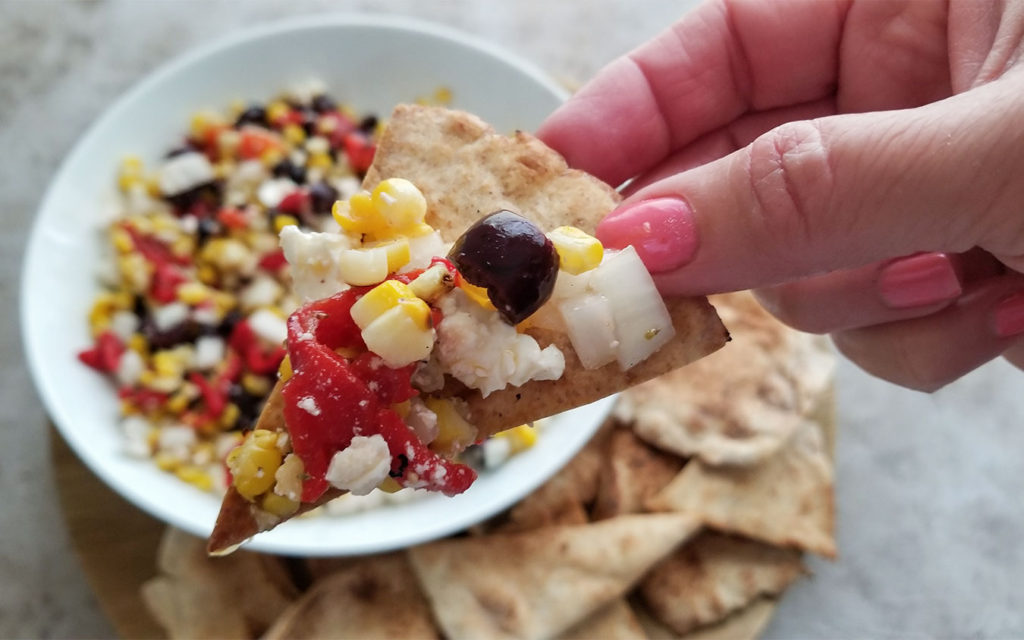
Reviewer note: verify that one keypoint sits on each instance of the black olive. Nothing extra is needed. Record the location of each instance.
(368, 124)
(255, 114)
(510, 257)
(180, 333)
(322, 197)
(323, 102)
(288, 169)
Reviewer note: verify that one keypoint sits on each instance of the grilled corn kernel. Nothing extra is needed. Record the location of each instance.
(362, 267)
(520, 438)
(229, 416)
(453, 432)
(254, 462)
(284, 370)
(378, 300)
(178, 403)
(202, 122)
(196, 476)
(402, 334)
(397, 252)
(139, 344)
(193, 293)
(279, 505)
(272, 157)
(390, 485)
(432, 283)
(400, 203)
(294, 134)
(284, 220)
(255, 385)
(578, 251)
(122, 240)
(319, 161)
(277, 110)
(168, 364)
(166, 461)
(476, 294)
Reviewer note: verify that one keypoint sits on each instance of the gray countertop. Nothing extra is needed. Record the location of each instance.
(929, 486)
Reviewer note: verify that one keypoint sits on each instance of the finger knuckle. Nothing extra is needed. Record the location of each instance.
(893, 358)
(791, 179)
(790, 307)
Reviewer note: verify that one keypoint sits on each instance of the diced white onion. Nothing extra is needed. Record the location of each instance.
(642, 323)
(590, 322)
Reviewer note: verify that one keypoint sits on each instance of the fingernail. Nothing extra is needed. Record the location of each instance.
(920, 280)
(662, 231)
(1009, 316)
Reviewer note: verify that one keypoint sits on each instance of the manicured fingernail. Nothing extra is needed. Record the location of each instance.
(662, 231)
(920, 280)
(1009, 316)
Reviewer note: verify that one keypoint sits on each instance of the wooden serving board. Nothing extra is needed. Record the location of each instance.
(115, 541)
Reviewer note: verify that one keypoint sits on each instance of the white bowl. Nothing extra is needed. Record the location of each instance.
(370, 62)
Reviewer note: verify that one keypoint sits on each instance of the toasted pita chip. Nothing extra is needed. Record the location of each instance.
(539, 583)
(633, 473)
(741, 404)
(197, 596)
(747, 624)
(714, 575)
(376, 597)
(786, 500)
(562, 500)
(614, 621)
(467, 170)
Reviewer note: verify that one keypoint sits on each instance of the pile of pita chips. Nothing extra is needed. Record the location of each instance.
(195, 596)
(466, 170)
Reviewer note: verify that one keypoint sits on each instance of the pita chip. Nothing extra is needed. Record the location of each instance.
(614, 621)
(633, 473)
(466, 170)
(746, 624)
(375, 597)
(739, 405)
(198, 596)
(786, 500)
(539, 583)
(713, 576)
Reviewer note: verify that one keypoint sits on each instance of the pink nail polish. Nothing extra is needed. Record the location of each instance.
(662, 231)
(917, 281)
(1008, 318)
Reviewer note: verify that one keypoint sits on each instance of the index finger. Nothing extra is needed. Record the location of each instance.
(715, 64)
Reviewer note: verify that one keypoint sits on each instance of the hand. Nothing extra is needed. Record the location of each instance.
(860, 163)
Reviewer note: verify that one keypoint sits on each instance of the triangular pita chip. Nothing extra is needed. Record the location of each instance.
(467, 170)
(197, 596)
(632, 473)
(539, 583)
(375, 597)
(614, 621)
(713, 576)
(738, 405)
(746, 624)
(786, 500)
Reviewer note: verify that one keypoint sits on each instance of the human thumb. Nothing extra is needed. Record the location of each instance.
(814, 196)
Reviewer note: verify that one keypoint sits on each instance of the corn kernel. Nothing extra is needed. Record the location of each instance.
(402, 334)
(279, 505)
(319, 161)
(284, 220)
(284, 371)
(453, 432)
(168, 364)
(578, 251)
(255, 385)
(402, 408)
(202, 122)
(520, 438)
(390, 485)
(207, 274)
(397, 251)
(400, 203)
(229, 416)
(477, 294)
(378, 300)
(178, 403)
(166, 461)
(196, 476)
(294, 134)
(363, 267)
(432, 283)
(139, 344)
(277, 110)
(272, 157)
(122, 240)
(193, 293)
(254, 462)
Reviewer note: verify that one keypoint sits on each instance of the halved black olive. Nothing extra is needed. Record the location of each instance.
(510, 257)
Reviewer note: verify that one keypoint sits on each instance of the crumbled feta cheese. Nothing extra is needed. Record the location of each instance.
(362, 466)
(136, 436)
(347, 186)
(314, 258)
(484, 352)
(272, 192)
(496, 451)
(169, 316)
(130, 368)
(288, 477)
(209, 352)
(124, 323)
(263, 291)
(176, 440)
(184, 172)
(269, 326)
(308, 404)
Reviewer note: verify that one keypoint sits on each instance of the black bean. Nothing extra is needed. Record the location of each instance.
(368, 124)
(255, 114)
(322, 197)
(323, 103)
(288, 169)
